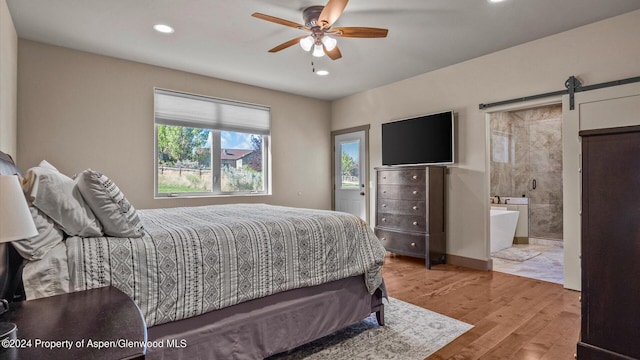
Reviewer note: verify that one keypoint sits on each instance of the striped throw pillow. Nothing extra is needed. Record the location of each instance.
(108, 203)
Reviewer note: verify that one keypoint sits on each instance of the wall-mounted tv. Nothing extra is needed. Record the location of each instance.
(426, 139)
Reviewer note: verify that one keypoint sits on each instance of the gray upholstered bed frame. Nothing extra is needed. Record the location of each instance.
(262, 327)
(251, 330)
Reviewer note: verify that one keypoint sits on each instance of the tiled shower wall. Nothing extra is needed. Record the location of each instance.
(527, 145)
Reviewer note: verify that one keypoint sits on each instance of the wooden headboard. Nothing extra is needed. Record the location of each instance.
(11, 263)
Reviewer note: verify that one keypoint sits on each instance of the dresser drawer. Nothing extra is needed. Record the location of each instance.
(402, 177)
(401, 207)
(410, 211)
(407, 244)
(415, 223)
(401, 192)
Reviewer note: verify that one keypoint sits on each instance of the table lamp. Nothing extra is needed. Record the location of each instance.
(16, 223)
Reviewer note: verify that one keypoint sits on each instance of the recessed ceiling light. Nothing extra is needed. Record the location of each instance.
(322, 72)
(495, 1)
(165, 29)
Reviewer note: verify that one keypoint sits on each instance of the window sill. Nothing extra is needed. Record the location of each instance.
(187, 196)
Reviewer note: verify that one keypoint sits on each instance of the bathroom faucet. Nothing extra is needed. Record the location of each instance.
(498, 199)
(505, 201)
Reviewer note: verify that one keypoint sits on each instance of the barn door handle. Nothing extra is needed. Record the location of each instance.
(534, 184)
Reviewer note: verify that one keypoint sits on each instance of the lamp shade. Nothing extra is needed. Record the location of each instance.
(317, 50)
(15, 218)
(329, 42)
(307, 43)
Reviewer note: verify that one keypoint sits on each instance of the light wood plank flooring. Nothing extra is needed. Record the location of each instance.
(513, 317)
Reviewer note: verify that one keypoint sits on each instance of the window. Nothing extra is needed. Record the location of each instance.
(206, 146)
(350, 164)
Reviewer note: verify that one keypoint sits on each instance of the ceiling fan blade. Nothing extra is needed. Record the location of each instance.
(359, 32)
(287, 44)
(331, 12)
(333, 54)
(280, 21)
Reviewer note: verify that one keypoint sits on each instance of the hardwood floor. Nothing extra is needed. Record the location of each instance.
(513, 317)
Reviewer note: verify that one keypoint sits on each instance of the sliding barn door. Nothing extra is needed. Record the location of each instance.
(597, 109)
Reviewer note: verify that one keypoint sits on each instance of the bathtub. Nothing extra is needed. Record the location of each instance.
(503, 228)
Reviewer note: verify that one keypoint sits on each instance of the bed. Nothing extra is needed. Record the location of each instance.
(242, 281)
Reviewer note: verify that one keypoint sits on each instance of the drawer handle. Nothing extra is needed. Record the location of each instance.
(384, 205)
(413, 244)
(384, 219)
(384, 191)
(415, 177)
(415, 208)
(383, 239)
(415, 192)
(384, 177)
(415, 223)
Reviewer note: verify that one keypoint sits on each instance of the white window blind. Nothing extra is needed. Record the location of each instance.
(180, 109)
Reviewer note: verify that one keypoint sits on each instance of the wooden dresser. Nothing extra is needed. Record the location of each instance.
(410, 217)
(610, 235)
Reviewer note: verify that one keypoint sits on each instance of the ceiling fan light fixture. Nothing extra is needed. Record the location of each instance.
(307, 42)
(318, 22)
(329, 42)
(317, 50)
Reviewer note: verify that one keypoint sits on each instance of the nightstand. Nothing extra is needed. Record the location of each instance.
(101, 323)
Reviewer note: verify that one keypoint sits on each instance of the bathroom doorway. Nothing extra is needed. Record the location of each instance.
(525, 164)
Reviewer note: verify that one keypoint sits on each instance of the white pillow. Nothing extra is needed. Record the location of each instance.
(108, 203)
(49, 235)
(48, 276)
(57, 195)
(45, 164)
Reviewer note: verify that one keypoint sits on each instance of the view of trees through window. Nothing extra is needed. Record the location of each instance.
(350, 160)
(241, 167)
(185, 163)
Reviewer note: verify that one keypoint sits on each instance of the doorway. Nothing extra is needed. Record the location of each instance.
(525, 161)
(350, 171)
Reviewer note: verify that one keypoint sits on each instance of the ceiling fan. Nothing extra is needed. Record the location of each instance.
(321, 37)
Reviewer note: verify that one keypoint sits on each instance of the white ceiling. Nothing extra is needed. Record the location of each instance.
(219, 38)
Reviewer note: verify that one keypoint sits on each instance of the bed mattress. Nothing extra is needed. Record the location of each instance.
(196, 259)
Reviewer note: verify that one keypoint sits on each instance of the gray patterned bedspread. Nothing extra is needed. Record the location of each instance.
(197, 259)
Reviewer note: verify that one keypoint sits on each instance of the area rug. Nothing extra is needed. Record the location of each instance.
(410, 333)
(515, 254)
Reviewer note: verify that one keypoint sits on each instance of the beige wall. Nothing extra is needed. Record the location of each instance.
(8, 81)
(80, 110)
(603, 51)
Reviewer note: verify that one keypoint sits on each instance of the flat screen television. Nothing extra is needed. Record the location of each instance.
(426, 139)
